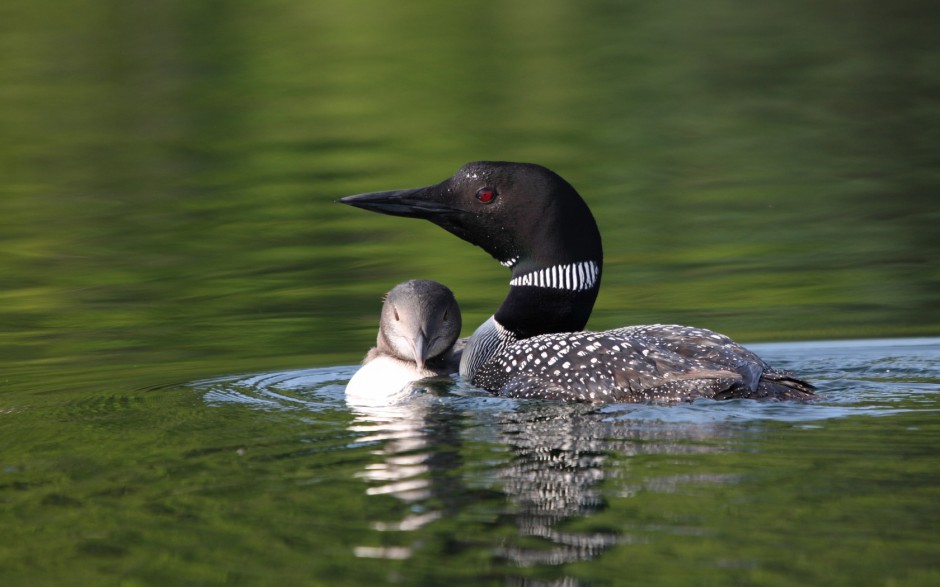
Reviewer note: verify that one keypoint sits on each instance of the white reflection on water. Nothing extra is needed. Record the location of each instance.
(404, 460)
(402, 449)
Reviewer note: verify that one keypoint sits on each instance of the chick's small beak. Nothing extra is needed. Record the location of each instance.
(420, 347)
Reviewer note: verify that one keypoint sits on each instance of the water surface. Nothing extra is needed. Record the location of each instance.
(272, 477)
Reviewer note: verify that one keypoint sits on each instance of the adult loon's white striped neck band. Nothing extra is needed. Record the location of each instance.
(534, 222)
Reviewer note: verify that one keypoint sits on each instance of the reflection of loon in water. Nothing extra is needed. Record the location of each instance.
(553, 469)
(419, 325)
(416, 444)
(534, 222)
(564, 459)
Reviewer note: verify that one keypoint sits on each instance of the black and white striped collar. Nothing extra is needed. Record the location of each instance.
(578, 276)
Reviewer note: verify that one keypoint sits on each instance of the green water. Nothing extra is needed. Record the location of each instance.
(167, 179)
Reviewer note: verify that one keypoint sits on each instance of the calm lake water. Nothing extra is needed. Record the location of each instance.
(182, 302)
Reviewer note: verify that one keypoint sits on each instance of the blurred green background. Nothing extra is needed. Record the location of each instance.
(168, 170)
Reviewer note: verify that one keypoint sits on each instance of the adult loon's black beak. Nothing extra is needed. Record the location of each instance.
(413, 203)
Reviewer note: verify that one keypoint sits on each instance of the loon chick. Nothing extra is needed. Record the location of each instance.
(419, 325)
(535, 223)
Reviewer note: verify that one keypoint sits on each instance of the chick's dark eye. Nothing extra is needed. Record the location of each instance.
(486, 195)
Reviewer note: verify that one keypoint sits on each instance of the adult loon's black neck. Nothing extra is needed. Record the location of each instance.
(552, 298)
(556, 298)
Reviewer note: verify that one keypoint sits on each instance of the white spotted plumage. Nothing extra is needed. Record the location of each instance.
(636, 363)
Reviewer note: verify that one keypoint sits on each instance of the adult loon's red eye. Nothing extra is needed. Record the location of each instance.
(486, 195)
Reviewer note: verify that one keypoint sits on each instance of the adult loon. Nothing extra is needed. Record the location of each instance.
(535, 223)
(419, 325)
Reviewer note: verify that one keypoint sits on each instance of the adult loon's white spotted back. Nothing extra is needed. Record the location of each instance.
(419, 325)
(534, 222)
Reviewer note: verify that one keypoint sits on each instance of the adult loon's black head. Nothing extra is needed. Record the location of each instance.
(529, 219)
